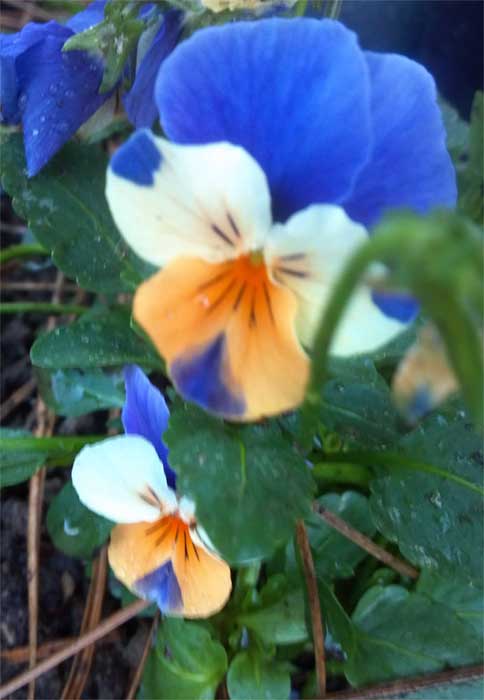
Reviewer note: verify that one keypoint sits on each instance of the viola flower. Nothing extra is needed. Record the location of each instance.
(157, 549)
(424, 378)
(288, 143)
(53, 93)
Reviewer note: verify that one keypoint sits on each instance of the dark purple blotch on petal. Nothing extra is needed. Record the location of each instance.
(161, 586)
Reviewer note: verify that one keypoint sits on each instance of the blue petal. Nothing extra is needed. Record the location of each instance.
(161, 586)
(11, 47)
(92, 15)
(294, 93)
(420, 403)
(139, 102)
(409, 166)
(145, 413)
(400, 306)
(137, 160)
(61, 93)
(199, 379)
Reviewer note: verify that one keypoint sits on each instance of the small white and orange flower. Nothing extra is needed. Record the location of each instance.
(288, 142)
(157, 549)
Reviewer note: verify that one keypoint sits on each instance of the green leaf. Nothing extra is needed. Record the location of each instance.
(335, 619)
(72, 392)
(253, 676)
(20, 464)
(18, 447)
(334, 555)
(457, 135)
(467, 601)
(185, 663)
(66, 209)
(471, 180)
(402, 634)
(248, 484)
(75, 529)
(103, 339)
(278, 617)
(357, 404)
(435, 515)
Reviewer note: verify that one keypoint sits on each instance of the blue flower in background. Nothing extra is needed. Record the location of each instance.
(52, 93)
(288, 143)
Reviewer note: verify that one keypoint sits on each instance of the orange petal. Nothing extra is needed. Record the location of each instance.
(227, 334)
(159, 561)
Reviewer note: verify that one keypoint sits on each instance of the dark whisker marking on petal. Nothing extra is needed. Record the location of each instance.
(177, 533)
(163, 537)
(294, 273)
(268, 300)
(150, 497)
(233, 224)
(214, 280)
(218, 301)
(252, 318)
(293, 256)
(239, 296)
(185, 544)
(193, 528)
(157, 526)
(221, 234)
(154, 494)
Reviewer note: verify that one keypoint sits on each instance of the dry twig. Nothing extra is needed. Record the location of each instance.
(109, 624)
(45, 427)
(365, 543)
(81, 664)
(397, 689)
(141, 665)
(16, 398)
(20, 655)
(314, 606)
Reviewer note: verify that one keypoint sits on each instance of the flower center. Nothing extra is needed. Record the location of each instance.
(256, 257)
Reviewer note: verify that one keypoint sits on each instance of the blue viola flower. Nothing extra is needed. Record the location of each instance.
(288, 142)
(157, 549)
(54, 92)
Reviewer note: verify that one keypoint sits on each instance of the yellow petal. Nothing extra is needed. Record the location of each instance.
(227, 333)
(160, 562)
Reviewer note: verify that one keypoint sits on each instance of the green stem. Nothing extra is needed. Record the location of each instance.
(333, 9)
(18, 307)
(342, 473)
(300, 8)
(391, 459)
(58, 451)
(22, 250)
(342, 292)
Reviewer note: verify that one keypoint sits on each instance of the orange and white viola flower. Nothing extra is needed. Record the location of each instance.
(157, 549)
(288, 141)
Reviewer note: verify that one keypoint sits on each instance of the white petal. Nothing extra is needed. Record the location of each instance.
(307, 255)
(167, 200)
(186, 509)
(122, 478)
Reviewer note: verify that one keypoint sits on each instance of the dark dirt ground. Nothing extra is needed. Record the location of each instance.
(63, 583)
